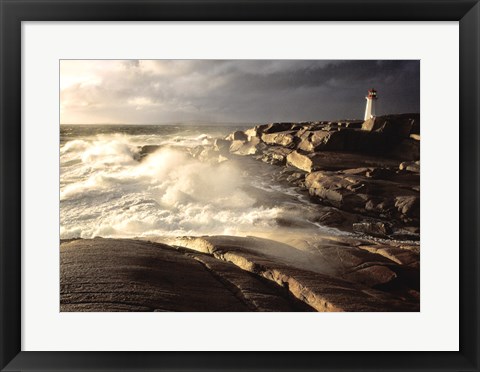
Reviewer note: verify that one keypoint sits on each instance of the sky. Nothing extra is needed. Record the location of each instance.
(232, 91)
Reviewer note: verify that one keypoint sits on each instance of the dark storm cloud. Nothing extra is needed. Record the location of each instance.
(238, 91)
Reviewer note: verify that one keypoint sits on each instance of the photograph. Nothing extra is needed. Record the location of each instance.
(242, 185)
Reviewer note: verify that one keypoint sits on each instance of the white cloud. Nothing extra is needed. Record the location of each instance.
(140, 101)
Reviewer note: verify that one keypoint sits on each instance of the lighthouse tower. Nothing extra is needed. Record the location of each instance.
(370, 109)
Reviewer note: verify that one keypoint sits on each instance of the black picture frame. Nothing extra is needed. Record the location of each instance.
(13, 12)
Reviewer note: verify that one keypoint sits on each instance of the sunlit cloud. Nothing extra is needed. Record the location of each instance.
(173, 91)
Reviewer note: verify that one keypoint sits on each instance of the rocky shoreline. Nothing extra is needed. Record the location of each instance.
(225, 273)
(365, 176)
(361, 177)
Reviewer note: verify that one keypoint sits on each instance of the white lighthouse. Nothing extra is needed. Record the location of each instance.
(370, 109)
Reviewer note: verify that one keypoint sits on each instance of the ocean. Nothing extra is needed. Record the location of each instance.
(105, 191)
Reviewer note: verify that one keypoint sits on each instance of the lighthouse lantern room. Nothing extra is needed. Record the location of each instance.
(371, 101)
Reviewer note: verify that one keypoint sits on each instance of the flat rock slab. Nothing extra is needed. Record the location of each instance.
(409, 256)
(128, 275)
(359, 193)
(322, 292)
(336, 161)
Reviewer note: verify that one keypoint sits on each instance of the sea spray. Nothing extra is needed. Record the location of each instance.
(106, 192)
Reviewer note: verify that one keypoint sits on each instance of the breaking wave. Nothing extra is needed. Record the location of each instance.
(105, 191)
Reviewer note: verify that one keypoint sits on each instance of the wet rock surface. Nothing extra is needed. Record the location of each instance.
(369, 169)
(364, 177)
(328, 275)
(129, 275)
(144, 151)
(225, 273)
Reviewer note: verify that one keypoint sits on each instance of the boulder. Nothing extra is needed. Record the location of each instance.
(409, 206)
(375, 228)
(393, 125)
(305, 162)
(330, 126)
(222, 145)
(297, 178)
(252, 147)
(322, 141)
(208, 154)
(285, 139)
(237, 136)
(277, 127)
(411, 166)
(300, 133)
(256, 131)
(332, 160)
(276, 155)
(341, 191)
(402, 256)
(355, 191)
(236, 145)
(144, 151)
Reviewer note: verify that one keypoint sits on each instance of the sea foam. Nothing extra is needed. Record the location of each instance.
(105, 191)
